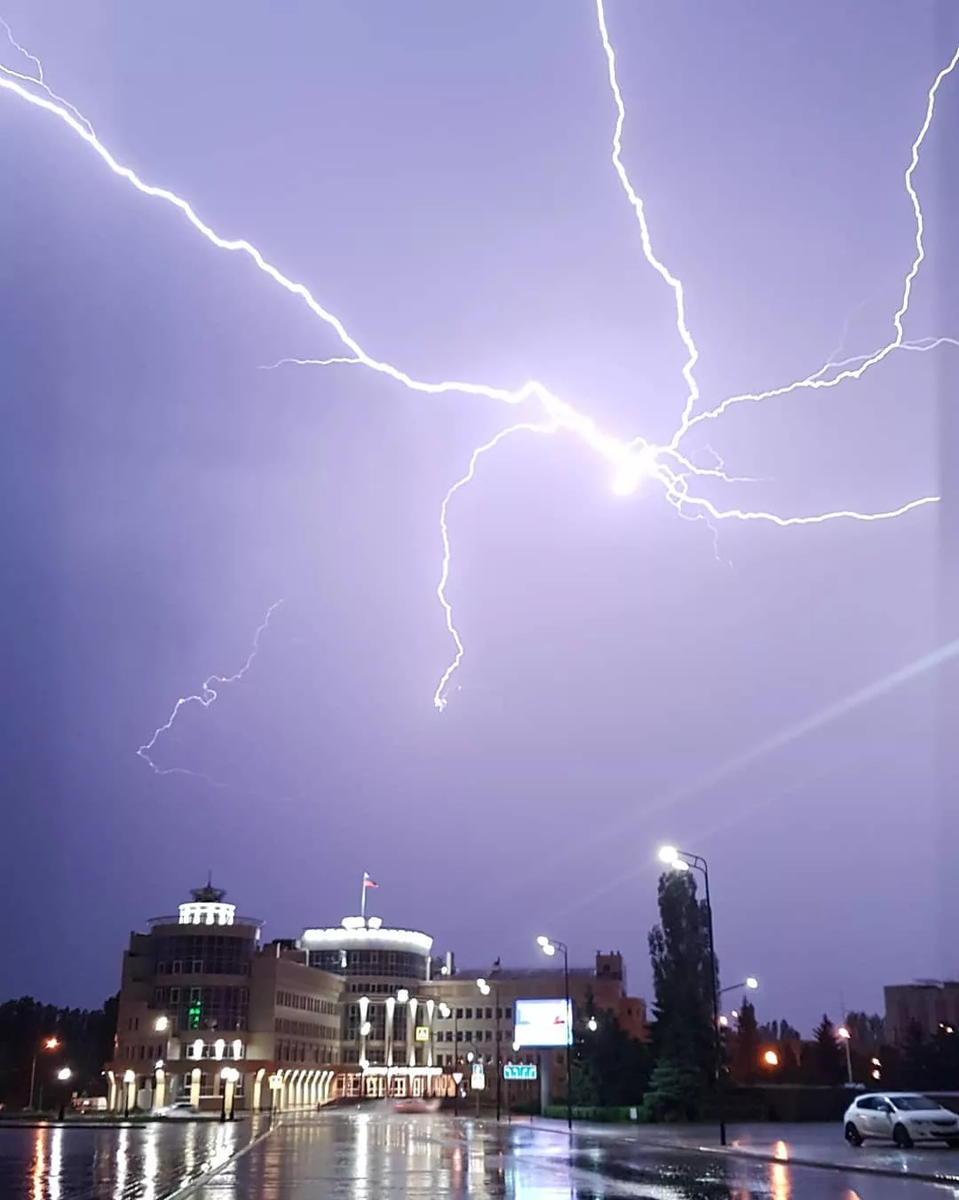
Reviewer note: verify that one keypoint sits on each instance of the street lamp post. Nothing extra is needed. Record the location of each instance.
(445, 1012)
(48, 1043)
(550, 946)
(485, 989)
(845, 1037)
(682, 860)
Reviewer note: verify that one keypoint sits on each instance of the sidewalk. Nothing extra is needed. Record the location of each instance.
(814, 1145)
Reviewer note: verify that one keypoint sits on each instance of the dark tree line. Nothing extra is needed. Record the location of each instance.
(85, 1042)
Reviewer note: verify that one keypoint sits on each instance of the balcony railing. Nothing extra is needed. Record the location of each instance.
(174, 919)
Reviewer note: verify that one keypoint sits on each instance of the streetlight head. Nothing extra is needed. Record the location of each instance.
(591, 1025)
(403, 995)
(723, 1021)
(161, 1023)
(445, 1010)
(752, 982)
(542, 940)
(64, 1074)
(51, 1043)
(481, 983)
(771, 1058)
(669, 855)
(549, 949)
(843, 1032)
(734, 1014)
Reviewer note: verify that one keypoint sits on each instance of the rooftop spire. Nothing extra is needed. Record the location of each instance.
(208, 894)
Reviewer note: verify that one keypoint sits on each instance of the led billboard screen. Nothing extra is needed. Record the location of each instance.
(542, 1023)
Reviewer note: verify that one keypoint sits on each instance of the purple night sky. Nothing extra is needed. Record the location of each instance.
(439, 176)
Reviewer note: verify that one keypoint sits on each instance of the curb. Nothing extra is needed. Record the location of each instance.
(767, 1157)
(816, 1164)
(187, 1189)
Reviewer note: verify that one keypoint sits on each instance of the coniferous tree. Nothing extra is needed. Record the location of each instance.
(684, 1037)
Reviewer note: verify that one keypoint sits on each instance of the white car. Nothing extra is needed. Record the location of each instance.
(903, 1117)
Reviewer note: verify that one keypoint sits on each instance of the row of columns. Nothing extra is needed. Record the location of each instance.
(400, 1054)
(283, 1089)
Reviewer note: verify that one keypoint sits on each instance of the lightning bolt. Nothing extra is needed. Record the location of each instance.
(631, 462)
(439, 696)
(36, 79)
(818, 381)
(204, 697)
(664, 273)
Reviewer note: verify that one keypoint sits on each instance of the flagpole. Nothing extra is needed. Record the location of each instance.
(363, 896)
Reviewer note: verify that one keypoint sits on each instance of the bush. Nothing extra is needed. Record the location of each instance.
(595, 1113)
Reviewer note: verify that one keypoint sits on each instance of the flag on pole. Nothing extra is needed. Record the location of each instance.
(367, 882)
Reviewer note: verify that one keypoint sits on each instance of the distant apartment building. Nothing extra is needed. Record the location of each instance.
(353, 1010)
(927, 1005)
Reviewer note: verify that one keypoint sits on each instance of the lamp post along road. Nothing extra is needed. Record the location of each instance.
(48, 1043)
(550, 946)
(845, 1036)
(682, 860)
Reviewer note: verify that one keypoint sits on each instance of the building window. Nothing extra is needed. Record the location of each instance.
(459, 1014)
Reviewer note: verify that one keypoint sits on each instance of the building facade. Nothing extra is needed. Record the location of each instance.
(928, 1005)
(211, 1015)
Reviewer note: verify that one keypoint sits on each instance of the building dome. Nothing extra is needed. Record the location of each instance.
(364, 946)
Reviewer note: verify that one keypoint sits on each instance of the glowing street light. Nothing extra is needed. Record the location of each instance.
(771, 1058)
(750, 983)
(64, 1074)
(549, 947)
(845, 1036)
(161, 1024)
(48, 1043)
(592, 1025)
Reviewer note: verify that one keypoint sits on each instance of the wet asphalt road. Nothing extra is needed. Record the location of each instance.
(66, 1162)
(375, 1154)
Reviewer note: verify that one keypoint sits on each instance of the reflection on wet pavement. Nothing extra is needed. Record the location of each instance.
(375, 1154)
(149, 1161)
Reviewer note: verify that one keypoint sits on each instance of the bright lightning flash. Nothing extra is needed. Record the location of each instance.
(630, 461)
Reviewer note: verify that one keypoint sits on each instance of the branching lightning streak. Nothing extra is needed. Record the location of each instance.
(205, 697)
(817, 382)
(310, 362)
(37, 79)
(632, 461)
(439, 699)
(639, 208)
